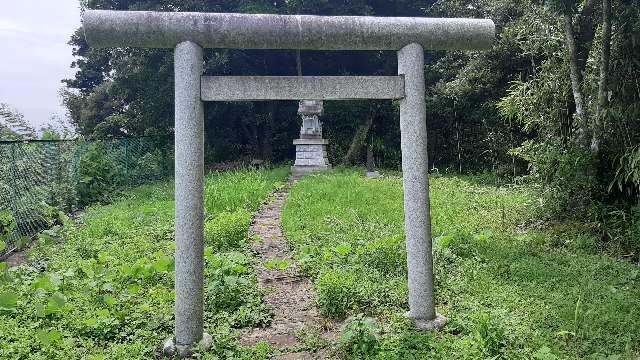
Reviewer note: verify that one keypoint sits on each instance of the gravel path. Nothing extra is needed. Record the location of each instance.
(290, 294)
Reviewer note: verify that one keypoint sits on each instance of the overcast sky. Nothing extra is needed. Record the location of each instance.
(34, 55)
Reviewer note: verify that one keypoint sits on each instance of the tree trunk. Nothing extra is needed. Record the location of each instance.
(250, 131)
(605, 56)
(576, 77)
(266, 140)
(578, 44)
(357, 143)
(603, 84)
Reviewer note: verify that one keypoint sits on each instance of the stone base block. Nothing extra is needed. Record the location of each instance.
(311, 156)
(372, 174)
(170, 349)
(434, 324)
(303, 170)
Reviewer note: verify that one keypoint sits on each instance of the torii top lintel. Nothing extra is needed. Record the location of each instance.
(147, 29)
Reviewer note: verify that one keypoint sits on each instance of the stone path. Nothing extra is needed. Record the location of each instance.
(290, 294)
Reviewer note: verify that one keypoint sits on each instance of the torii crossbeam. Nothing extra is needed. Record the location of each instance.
(189, 32)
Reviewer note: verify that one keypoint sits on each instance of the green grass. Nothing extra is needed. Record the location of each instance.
(103, 289)
(508, 293)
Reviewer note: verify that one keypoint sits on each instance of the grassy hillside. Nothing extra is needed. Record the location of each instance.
(103, 289)
(508, 292)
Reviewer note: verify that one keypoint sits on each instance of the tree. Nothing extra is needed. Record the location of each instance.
(605, 56)
(13, 125)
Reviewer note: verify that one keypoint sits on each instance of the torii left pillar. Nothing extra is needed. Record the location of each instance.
(189, 190)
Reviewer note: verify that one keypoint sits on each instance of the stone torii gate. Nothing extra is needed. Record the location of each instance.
(188, 33)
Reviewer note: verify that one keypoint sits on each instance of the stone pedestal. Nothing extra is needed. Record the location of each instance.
(311, 156)
(311, 148)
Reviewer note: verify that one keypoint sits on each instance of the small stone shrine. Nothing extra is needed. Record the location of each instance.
(311, 148)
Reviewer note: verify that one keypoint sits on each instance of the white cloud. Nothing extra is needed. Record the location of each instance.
(8, 26)
(34, 55)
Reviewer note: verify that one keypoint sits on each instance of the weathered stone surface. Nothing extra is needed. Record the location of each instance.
(298, 171)
(107, 28)
(310, 142)
(242, 88)
(436, 323)
(413, 143)
(170, 349)
(314, 107)
(189, 184)
(207, 341)
(188, 32)
(310, 157)
(310, 112)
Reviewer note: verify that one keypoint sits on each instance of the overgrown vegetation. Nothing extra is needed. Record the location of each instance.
(509, 291)
(359, 337)
(103, 288)
(40, 179)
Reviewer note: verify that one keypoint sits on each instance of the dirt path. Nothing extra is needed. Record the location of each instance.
(290, 294)
(16, 258)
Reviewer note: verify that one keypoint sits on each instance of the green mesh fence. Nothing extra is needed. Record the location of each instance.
(41, 179)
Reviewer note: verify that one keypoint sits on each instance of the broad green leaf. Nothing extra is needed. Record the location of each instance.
(133, 289)
(164, 264)
(103, 313)
(108, 286)
(48, 338)
(55, 304)
(42, 282)
(343, 249)
(40, 310)
(8, 301)
(109, 300)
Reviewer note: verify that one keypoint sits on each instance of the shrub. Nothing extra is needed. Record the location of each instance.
(337, 293)
(488, 339)
(151, 165)
(228, 230)
(342, 291)
(98, 176)
(359, 337)
(229, 289)
(566, 172)
(7, 225)
(227, 279)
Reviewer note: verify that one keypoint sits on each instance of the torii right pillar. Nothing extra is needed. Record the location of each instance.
(415, 177)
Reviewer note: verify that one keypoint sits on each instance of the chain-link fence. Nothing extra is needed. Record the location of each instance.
(42, 179)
